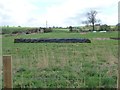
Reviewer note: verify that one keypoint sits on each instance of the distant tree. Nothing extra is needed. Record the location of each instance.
(60, 27)
(19, 26)
(53, 27)
(91, 18)
(70, 28)
(105, 27)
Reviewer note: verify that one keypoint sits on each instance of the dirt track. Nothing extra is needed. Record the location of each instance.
(100, 38)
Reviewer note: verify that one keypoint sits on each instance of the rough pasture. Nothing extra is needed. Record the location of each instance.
(67, 65)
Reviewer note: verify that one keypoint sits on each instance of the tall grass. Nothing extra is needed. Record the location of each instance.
(0, 61)
(67, 65)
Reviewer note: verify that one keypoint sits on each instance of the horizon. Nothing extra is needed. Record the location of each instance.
(50, 26)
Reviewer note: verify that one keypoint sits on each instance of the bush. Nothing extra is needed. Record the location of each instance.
(46, 30)
(104, 27)
(27, 30)
(70, 27)
(13, 30)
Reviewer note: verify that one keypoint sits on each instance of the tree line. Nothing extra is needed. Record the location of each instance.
(93, 22)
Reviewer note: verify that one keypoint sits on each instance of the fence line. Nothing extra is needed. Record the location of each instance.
(7, 72)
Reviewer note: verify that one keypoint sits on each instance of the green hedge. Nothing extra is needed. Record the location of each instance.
(14, 30)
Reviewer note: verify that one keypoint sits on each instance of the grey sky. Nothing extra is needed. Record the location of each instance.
(56, 12)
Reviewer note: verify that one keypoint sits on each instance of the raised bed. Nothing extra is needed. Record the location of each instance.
(68, 40)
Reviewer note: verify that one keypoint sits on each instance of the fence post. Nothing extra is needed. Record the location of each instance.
(7, 72)
(118, 86)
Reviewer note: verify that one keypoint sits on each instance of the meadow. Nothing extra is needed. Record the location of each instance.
(64, 65)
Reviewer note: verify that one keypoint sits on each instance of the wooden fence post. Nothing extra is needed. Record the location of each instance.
(7, 72)
(118, 79)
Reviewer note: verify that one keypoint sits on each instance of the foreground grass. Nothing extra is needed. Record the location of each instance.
(0, 61)
(50, 65)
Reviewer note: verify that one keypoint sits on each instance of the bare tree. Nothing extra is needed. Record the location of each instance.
(91, 18)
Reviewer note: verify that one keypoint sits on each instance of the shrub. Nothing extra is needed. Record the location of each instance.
(70, 27)
(104, 27)
(27, 30)
(46, 30)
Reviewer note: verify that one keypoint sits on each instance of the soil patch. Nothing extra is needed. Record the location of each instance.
(101, 38)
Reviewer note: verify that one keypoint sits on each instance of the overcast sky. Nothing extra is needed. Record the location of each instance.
(56, 12)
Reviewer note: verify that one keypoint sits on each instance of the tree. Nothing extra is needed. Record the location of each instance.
(91, 18)
(19, 26)
(71, 28)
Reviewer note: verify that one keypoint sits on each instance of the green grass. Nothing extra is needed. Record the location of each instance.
(10, 30)
(0, 61)
(51, 65)
(66, 34)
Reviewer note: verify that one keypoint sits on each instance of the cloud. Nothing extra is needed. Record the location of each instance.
(119, 12)
(15, 12)
(56, 12)
(107, 13)
(72, 12)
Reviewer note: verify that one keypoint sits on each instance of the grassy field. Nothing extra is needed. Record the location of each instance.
(9, 30)
(0, 61)
(67, 65)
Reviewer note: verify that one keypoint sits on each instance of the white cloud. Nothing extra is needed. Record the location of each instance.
(119, 12)
(58, 15)
(18, 11)
(56, 12)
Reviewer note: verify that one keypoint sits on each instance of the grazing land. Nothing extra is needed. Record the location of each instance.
(64, 65)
